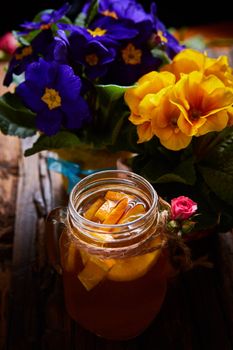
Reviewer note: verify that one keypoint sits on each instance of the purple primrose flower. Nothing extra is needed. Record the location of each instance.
(61, 48)
(41, 46)
(52, 91)
(162, 38)
(134, 59)
(46, 20)
(106, 30)
(126, 9)
(92, 54)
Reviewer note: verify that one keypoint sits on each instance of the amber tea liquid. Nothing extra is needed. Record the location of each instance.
(118, 297)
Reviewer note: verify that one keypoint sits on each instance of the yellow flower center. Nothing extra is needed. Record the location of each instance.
(52, 98)
(45, 26)
(92, 59)
(131, 55)
(110, 14)
(26, 51)
(97, 32)
(161, 36)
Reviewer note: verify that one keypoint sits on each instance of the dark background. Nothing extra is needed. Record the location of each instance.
(173, 13)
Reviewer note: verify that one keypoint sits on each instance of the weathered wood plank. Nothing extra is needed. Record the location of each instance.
(23, 330)
(29, 255)
(35, 311)
(9, 152)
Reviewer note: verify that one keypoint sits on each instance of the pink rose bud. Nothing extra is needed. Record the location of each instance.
(182, 208)
(8, 43)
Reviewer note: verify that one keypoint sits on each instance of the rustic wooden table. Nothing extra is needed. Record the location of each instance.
(198, 309)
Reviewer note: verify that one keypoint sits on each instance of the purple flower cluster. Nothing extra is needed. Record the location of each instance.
(59, 58)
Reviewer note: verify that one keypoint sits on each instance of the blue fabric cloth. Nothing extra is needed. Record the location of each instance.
(72, 171)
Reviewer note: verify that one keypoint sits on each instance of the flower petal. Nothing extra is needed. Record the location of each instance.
(215, 122)
(144, 132)
(176, 142)
(31, 96)
(49, 121)
(76, 114)
(68, 83)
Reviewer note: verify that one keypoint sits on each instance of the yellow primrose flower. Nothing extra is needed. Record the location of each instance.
(220, 68)
(148, 84)
(186, 61)
(190, 60)
(158, 116)
(203, 102)
(147, 110)
(165, 124)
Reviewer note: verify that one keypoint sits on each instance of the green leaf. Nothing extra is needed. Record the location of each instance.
(127, 138)
(110, 117)
(65, 20)
(220, 182)
(80, 20)
(157, 53)
(15, 119)
(196, 42)
(170, 177)
(62, 139)
(26, 39)
(186, 171)
(159, 170)
(111, 92)
(110, 99)
(14, 129)
(217, 165)
(93, 11)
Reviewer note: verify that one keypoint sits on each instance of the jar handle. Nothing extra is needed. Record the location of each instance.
(164, 204)
(164, 208)
(55, 222)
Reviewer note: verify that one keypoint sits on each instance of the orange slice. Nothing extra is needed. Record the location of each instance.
(129, 269)
(117, 196)
(70, 264)
(91, 211)
(105, 209)
(94, 271)
(84, 256)
(91, 275)
(133, 213)
(116, 213)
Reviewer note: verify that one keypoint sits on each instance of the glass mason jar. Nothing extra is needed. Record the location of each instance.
(112, 254)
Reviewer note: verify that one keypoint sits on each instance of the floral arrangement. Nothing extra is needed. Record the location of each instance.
(115, 78)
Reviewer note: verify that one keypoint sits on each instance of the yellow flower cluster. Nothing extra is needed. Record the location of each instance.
(191, 96)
